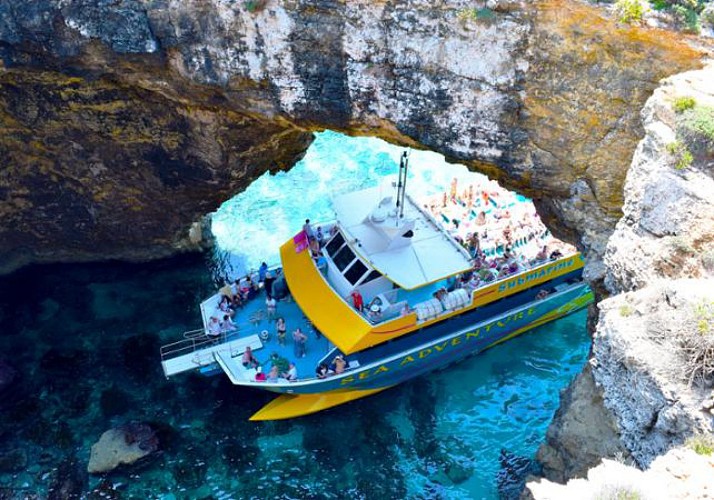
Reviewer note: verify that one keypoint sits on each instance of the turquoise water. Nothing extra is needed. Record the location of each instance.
(255, 223)
(84, 340)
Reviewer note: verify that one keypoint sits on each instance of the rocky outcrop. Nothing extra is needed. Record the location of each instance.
(125, 122)
(122, 446)
(680, 474)
(643, 355)
(653, 346)
(583, 431)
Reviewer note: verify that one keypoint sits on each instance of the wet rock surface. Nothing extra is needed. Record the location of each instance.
(127, 122)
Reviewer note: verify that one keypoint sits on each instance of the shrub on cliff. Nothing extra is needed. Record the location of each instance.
(680, 154)
(695, 128)
(683, 103)
(630, 11)
(698, 346)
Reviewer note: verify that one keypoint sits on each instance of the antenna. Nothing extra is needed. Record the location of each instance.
(405, 162)
(399, 184)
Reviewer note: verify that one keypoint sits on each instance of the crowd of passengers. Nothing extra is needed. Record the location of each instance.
(237, 294)
(503, 235)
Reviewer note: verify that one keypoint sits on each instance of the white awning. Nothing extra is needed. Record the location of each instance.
(374, 232)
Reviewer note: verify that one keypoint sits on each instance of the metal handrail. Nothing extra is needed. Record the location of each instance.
(192, 344)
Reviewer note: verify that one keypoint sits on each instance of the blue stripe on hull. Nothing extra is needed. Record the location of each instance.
(448, 348)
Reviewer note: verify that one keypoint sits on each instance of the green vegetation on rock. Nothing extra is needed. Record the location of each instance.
(682, 156)
(683, 103)
(483, 14)
(626, 310)
(630, 11)
(700, 119)
(702, 444)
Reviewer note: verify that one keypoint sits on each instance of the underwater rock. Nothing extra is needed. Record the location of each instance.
(68, 481)
(123, 445)
(511, 479)
(12, 461)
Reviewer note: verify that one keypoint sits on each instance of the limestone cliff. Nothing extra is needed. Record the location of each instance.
(680, 474)
(124, 122)
(653, 346)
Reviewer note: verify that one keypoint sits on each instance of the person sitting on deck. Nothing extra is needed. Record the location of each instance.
(214, 327)
(227, 325)
(225, 305)
(556, 254)
(249, 360)
(339, 364)
(321, 371)
(542, 254)
(320, 237)
(291, 374)
(273, 375)
(237, 295)
(259, 375)
(374, 312)
(481, 218)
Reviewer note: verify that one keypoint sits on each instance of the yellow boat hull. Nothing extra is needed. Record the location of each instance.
(297, 405)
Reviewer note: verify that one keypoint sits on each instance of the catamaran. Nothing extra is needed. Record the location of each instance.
(391, 289)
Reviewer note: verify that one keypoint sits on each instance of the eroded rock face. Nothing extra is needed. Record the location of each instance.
(582, 432)
(125, 122)
(653, 384)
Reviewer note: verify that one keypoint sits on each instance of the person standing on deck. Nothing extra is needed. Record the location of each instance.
(308, 230)
(268, 283)
(262, 270)
(299, 341)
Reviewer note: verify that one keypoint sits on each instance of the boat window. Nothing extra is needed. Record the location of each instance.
(355, 272)
(343, 258)
(334, 244)
(372, 276)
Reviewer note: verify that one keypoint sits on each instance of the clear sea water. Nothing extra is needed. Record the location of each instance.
(84, 340)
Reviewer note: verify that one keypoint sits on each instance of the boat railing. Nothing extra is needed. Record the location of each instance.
(453, 300)
(195, 340)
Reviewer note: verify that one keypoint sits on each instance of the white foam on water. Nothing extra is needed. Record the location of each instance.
(252, 225)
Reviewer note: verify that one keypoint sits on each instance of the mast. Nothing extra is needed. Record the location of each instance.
(405, 156)
(402, 185)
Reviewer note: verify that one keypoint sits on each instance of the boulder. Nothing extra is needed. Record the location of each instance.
(123, 445)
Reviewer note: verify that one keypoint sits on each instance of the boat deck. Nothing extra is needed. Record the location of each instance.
(198, 350)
